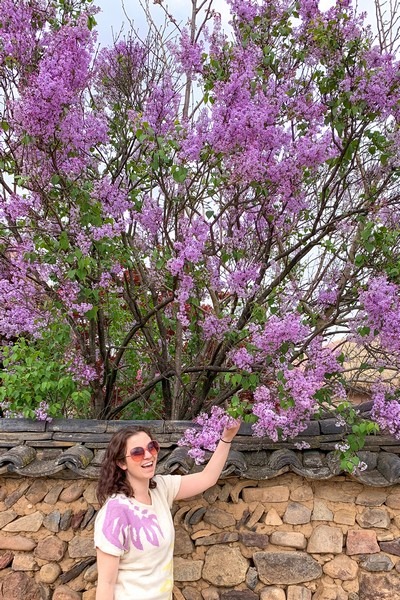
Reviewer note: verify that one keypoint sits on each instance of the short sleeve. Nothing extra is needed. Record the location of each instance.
(111, 530)
(169, 485)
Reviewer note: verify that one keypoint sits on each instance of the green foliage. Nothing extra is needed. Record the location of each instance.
(32, 378)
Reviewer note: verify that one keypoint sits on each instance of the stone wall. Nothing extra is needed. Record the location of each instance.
(286, 538)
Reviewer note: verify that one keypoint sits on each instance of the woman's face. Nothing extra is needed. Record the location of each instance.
(140, 467)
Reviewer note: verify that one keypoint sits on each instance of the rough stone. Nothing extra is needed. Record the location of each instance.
(52, 521)
(12, 498)
(211, 495)
(393, 500)
(339, 492)
(51, 548)
(187, 570)
(272, 593)
(392, 547)
(16, 542)
(219, 518)
(65, 521)
(6, 517)
(81, 547)
(272, 518)
(303, 493)
(6, 559)
(72, 492)
(31, 523)
(239, 595)
(90, 494)
(328, 591)
(361, 542)
(297, 514)
(210, 593)
(371, 497)
(321, 512)
(191, 593)
(278, 493)
(224, 566)
(19, 586)
(377, 562)
(341, 567)
(325, 540)
(374, 517)
(286, 567)
(253, 539)
(183, 543)
(289, 539)
(345, 516)
(49, 572)
(91, 573)
(379, 586)
(54, 493)
(37, 491)
(63, 592)
(24, 562)
(255, 515)
(252, 578)
(298, 592)
(218, 538)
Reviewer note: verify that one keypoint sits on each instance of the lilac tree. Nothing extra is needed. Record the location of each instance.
(202, 218)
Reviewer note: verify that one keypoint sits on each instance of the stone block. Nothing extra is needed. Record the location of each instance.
(183, 543)
(345, 516)
(20, 586)
(17, 543)
(51, 548)
(29, 523)
(377, 562)
(361, 542)
(272, 593)
(341, 567)
(325, 540)
(225, 566)
(277, 493)
(286, 568)
(219, 518)
(374, 517)
(339, 491)
(272, 518)
(187, 570)
(289, 539)
(321, 512)
(371, 497)
(298, 592)
(376, 586)
(297, 514)
(303, 493)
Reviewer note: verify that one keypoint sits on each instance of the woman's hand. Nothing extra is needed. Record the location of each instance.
(230, 431)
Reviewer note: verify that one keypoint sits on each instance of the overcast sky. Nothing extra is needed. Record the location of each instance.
(112, 17)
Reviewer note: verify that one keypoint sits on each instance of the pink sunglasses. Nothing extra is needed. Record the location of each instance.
(138, 452)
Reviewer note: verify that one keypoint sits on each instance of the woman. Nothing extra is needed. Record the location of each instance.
(134, 534)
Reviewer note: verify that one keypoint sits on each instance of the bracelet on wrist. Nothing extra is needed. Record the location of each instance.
(225, 442)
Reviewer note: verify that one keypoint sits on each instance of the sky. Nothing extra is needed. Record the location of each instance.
(115, 14)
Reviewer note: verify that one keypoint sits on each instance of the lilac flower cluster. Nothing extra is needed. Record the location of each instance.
(381, 303)
(386, 410)
(207, 437)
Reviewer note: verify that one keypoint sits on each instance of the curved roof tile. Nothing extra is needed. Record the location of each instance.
(74, 448)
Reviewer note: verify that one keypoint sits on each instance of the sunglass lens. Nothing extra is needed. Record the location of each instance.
(153, 447)
(137, 453)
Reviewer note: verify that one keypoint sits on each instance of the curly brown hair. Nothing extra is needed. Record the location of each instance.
(112, 479)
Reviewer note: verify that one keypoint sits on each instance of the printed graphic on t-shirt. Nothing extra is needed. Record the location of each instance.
(130, 524)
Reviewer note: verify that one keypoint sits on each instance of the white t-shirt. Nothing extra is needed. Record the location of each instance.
(143, 536)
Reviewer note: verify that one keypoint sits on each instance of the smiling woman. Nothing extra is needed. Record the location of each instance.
(134, 533)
